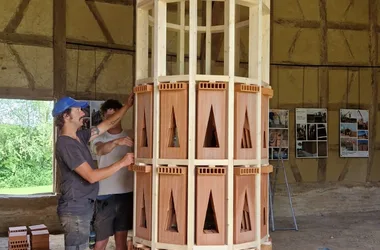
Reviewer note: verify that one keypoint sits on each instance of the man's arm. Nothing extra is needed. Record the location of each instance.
(103, 148)
(95, 175)
(112, 120)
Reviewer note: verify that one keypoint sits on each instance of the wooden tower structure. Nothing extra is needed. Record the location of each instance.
(201, 172)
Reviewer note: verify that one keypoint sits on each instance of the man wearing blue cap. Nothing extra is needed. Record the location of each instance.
(79, 176)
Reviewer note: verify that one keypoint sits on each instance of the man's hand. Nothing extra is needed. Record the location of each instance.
(124, 141)
(131, 98)
(128, 159)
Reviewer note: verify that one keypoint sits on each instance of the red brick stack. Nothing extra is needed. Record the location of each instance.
(17, 238)
(39, 237)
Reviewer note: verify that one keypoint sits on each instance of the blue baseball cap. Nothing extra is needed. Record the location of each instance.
(67, 102)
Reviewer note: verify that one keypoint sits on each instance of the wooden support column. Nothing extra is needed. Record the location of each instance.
(323, 80)
(59, 64)
(373, 46)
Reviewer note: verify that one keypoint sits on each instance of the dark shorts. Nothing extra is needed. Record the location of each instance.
(76, 230)
(112, 215)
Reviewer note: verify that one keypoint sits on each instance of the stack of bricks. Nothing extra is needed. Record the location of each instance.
(39, 237)
(17, 238)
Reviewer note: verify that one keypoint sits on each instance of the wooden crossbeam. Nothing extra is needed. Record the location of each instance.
(120, 2)
(17, 17)
(16, 92)
(102, 25)
(99, 70)
(28, 75)
(26, 39)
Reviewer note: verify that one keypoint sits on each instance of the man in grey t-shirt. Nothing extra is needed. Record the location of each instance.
(79, 176)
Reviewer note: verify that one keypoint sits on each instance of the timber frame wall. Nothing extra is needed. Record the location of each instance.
(327, 51)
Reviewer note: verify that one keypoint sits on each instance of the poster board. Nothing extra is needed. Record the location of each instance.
(311, 133)
(354, 133)
(278, 134)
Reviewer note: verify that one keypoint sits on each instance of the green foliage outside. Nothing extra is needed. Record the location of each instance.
(26, 143)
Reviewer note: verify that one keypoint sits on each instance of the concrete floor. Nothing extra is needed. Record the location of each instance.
(348, 231)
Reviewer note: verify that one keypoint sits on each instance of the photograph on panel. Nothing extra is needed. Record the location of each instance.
(278, 118)
(278, 134)
(306, 149)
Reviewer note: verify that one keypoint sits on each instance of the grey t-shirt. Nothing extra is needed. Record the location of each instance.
(77, 194)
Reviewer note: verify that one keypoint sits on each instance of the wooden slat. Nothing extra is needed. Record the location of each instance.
(17, 17)
(59, 65)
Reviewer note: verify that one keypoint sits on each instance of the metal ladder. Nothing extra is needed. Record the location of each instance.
(272, 189)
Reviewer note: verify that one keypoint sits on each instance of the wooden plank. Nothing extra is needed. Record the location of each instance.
(59, 47)
(26, 39)
(120, 2)
(26, 93)
(17, 17)
(373, 45)
(99, 96)
(323, 38)
(323, 80)
(102, 25)
(59, 65)
(115, 47)
(323, 103)
(310, 24)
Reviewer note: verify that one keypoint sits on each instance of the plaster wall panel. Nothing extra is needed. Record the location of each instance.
(337, 86)
(297, 45)
(310, 87)
(80, 23)
(358, 170)
(7, 11)
(335, 166)
(351, 11)
(273, 102)
(290, 86)
(38, 61)
(11, 74)
(117, 75)
(80, 72)
(375, 171)
(346, 47)
(297, 9)
(119, 21)
(353, 88)
(244, 40)
(308, 169)
(365, 93)
(172, 40)
(333, 130)
(38, 18)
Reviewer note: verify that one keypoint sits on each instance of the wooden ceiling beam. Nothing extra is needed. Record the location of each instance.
(120, 2)
(26, 39)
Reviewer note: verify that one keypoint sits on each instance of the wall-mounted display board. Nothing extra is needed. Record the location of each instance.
(354, 133)
(311, 133)
(278, 134)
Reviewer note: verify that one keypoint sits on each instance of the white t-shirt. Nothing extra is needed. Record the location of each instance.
(121, 181)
